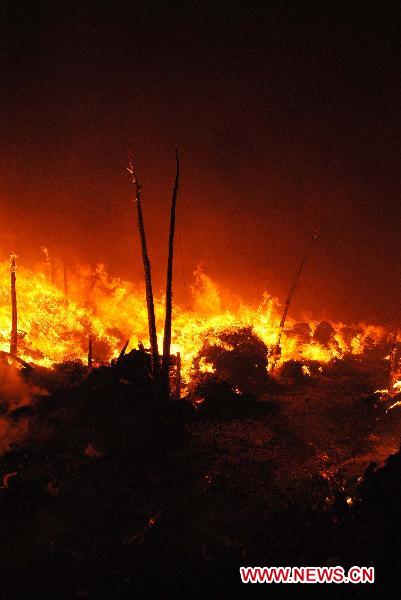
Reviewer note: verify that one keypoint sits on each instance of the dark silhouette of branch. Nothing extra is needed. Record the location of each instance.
(148, 278)
(169, 285)
(14, 314)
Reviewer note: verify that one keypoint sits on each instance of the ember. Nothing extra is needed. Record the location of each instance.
(53, 328)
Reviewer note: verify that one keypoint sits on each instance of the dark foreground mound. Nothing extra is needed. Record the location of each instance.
(113, 494)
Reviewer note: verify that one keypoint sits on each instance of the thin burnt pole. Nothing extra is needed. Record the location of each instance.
(122, 353)
(391, 368)
(14, 314)
(148, 278)
(277, 347)
(178, 377)
(169, 285)
(90, 353)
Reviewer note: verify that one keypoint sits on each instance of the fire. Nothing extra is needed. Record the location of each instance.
(53, 327)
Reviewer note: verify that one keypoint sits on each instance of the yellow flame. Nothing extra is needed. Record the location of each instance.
(53, 328)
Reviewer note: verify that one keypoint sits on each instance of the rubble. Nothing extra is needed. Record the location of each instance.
(239, 356)
(108, 483)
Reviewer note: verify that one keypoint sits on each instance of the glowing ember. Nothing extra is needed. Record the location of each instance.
(53, 328)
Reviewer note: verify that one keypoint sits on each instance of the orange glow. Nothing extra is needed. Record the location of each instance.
(53, 328)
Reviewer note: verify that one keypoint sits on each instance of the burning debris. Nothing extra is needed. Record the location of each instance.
(151, 447)
(82, 421)
(53, 328)
(255, 404)
(237, 356)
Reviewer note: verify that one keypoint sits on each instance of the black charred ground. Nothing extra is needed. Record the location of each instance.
(110, 493)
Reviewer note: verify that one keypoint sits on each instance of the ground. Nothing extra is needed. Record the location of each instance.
(111, 503)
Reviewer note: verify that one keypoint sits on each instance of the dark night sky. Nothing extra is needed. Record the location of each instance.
(283, 113)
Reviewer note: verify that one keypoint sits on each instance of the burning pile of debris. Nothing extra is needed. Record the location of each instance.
(106, 443)
(109, 479)
(52, 328)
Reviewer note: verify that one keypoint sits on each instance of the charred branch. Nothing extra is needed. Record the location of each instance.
(90, 353)
(392, 363)
(277, 347)
(178, 377)
(16, 359)
(122, 353)
(169, 285)
(14, 314)
(148, 277)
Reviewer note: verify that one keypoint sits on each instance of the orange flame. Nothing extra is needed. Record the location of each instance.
(53, 328)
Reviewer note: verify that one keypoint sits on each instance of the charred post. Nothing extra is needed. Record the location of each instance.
(90, 353)
(169, 286)
(14, 314)
(392, 363)
(277, 348)
(148, 278)
(122, 353)
(178, 377)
